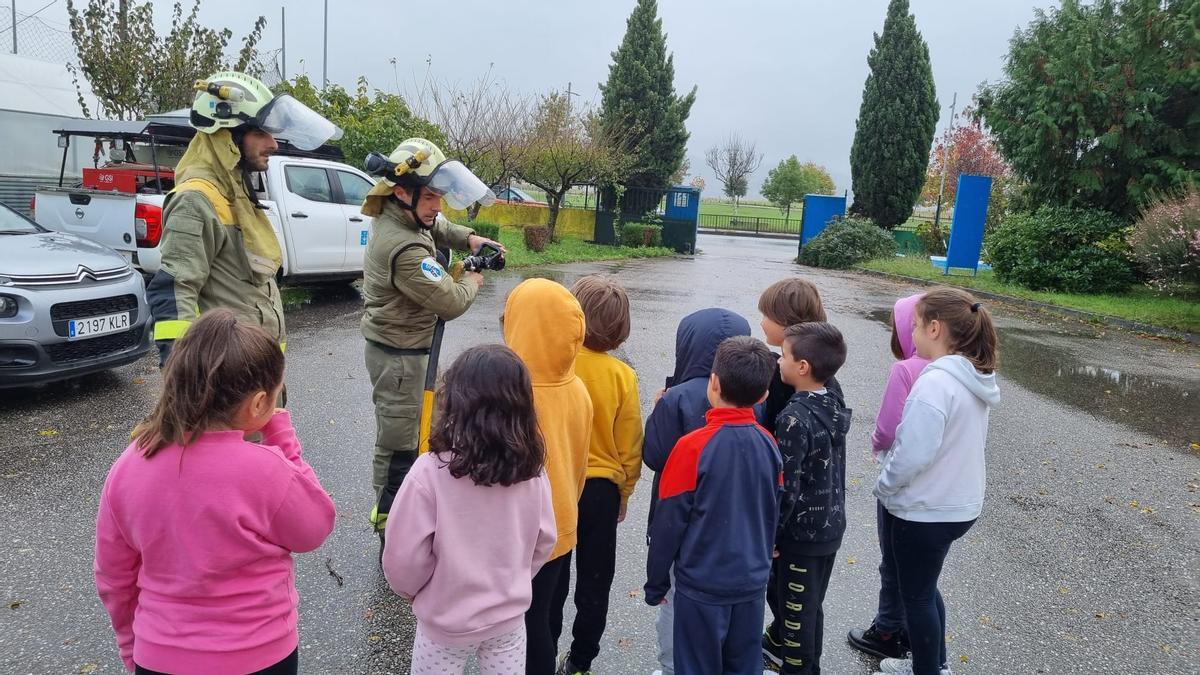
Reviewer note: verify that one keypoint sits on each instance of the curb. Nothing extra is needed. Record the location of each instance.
(1135, 326)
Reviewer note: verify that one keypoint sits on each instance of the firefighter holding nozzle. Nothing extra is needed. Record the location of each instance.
(409, 293)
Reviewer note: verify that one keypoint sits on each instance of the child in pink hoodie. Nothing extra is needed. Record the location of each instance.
(197, 525)
(886, 637)
(479, 519)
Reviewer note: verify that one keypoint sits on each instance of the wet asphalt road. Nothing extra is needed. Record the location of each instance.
(1085, 560)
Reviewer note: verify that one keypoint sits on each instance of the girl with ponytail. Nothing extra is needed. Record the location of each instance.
(932, 483)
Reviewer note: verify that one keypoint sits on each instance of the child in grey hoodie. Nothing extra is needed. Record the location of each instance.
(932, 483)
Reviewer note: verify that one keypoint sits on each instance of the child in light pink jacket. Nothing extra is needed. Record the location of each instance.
(886, 637)
(479, 520)
(197, 525)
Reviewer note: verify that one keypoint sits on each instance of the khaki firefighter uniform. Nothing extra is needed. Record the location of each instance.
(218, 249)
(405, 291)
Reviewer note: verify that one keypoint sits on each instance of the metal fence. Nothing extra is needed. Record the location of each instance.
(712, 222)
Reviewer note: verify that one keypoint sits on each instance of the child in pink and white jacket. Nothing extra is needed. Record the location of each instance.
(197, 524)
(479, 519)
(887, 638)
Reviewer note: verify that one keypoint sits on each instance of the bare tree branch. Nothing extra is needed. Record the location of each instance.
(733, 162)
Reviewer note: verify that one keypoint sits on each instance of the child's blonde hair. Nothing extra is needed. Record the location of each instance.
(605, 312)
(790, 301)
(967, 322)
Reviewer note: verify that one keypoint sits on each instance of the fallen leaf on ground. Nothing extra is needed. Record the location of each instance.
(1100, 615)
(48, 432)
(1133, 503)
(1062, 589)
(139, 380)
(89, 668)
(635, 593)
(851, 560)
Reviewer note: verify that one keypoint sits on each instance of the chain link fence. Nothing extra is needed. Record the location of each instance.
(47, 41)
(36, 38)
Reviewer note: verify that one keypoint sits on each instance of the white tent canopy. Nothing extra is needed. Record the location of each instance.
(31, 86)
(36, 98)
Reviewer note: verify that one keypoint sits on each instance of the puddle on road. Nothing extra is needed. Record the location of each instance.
(1166, 409)
(538, 273)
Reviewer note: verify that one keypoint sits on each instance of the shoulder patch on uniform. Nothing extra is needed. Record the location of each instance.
(432, 270)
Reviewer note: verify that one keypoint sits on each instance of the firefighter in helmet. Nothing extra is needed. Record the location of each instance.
(407, 289)
(218, 248)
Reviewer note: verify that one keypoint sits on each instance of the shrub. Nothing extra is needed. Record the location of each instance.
(932, 242)
(641, 234)
(485, 230)
(1166, 242)
(1060, 248)
(536, 237)
(848, 242)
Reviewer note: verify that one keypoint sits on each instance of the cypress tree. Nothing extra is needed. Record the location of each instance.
(639, 106)
(895, 123)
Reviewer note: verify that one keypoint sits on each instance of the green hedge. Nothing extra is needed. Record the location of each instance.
(1060, 248)
(485, 230)
(846, 243)
(641, 234)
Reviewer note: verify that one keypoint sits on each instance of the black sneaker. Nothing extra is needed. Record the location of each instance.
(877, 643)
(772, 650)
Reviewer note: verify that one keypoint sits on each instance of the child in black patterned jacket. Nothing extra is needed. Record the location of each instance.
(811, 432)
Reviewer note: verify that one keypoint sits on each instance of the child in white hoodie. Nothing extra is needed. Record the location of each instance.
(932, 482)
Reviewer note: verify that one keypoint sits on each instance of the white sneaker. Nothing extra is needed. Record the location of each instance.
(896, 666)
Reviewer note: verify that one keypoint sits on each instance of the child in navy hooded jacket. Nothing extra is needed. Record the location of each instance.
(719, 506)
(679, 411)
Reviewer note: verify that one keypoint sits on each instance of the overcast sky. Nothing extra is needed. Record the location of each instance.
(786, 74)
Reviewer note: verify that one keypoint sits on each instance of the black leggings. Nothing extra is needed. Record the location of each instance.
(543, 620)
(594, 567)
(290, 665)
(920, 550)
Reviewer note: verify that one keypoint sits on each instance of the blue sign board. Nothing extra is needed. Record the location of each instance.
(970, 215)
(818, 211)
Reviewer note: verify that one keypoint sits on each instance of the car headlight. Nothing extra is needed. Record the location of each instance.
(8, 307)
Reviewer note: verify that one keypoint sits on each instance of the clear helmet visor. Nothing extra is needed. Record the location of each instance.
(297, 123)
(458, 186)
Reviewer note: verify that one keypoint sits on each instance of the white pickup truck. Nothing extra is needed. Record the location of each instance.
(312, 203)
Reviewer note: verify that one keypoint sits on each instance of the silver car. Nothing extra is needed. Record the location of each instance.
(68, 306)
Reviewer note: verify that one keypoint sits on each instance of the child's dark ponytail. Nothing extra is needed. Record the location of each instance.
(485, 427)
(968, 322)
(212, 369)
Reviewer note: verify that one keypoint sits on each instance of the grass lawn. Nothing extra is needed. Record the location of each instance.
(748, 210)
(568, 250)
(1140, 304)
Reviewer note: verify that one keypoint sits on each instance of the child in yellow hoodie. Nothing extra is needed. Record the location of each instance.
(544, 325)
(614, 461)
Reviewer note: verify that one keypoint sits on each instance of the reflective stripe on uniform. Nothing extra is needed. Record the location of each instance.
(170, 329)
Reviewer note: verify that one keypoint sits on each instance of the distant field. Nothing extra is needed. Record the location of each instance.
(747, 210)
